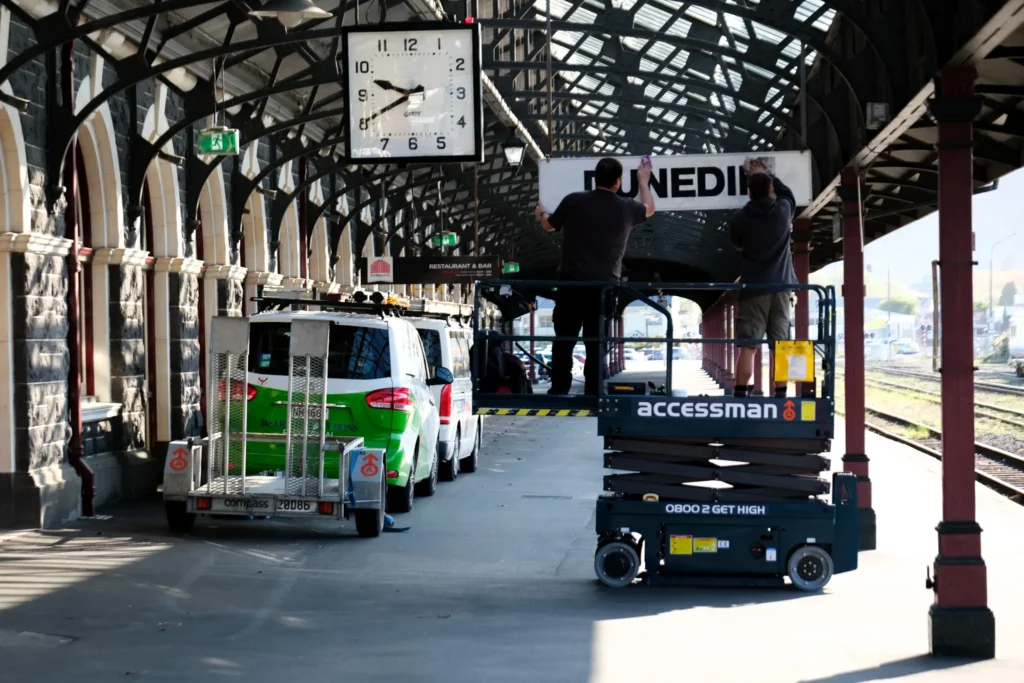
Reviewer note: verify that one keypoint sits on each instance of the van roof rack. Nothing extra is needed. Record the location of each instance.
(387, 306)
(429, 308)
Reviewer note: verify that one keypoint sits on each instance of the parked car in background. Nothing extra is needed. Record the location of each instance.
(446, 343)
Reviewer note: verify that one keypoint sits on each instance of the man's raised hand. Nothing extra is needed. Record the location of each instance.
(643, 175)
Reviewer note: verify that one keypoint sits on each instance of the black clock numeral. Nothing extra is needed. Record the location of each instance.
(440, 142)
(362, 67)
(384, 143)
(364, 124)
(362, 95)
(438, 43)
(460, 93)
(413, 144)
(382, 46)
(410, 44)
(461, 121)
(460, 64)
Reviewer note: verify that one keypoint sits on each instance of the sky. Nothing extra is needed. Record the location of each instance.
(908, 252)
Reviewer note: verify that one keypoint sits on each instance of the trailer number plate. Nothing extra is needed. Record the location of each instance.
(237, 505)
(297, 506)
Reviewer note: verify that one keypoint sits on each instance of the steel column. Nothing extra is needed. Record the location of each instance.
(802, 266)
(855, 460)
(960, 622)
(533, 349)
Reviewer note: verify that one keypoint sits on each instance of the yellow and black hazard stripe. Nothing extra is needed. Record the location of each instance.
(535, 412)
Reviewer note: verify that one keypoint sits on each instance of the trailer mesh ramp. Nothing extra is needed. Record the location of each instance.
(307, 407)
(229, 360)
(700, 472)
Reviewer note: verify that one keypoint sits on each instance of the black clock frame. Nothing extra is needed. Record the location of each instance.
(478, 99)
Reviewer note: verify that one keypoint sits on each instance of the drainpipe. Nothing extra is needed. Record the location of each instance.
(303, 238)
(76, 452)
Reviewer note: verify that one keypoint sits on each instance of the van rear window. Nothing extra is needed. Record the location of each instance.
(353, 353)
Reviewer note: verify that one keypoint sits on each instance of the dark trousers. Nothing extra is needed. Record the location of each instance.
(575, 307)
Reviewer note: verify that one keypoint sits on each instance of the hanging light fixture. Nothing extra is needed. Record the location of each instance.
(514, 149)
(290, 12)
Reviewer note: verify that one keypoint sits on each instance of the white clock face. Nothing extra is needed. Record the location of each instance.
(413, 94)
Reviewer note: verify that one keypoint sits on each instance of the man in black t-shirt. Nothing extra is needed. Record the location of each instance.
(596, 227)
(761, 233)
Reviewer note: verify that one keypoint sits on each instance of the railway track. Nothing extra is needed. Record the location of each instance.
(930, 376)
(998, 469)
(981, 409)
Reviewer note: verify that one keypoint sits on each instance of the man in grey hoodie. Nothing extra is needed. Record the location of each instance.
(761, 232)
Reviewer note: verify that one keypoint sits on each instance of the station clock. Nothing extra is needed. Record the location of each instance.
(413, 93)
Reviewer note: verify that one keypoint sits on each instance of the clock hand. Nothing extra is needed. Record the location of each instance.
(388, 85)
(400, 100)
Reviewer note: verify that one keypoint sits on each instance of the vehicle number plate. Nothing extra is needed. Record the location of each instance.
(300, 412)
(293, 506)
(242, 505)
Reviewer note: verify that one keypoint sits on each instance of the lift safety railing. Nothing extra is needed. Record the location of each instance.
(824, 343)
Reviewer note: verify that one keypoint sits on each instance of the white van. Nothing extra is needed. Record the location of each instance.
(447, 338)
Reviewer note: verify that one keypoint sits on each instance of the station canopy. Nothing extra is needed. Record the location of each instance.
(630, 77)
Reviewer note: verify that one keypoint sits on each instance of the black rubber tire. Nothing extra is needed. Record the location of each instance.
(179, 518)
(450, 467)
(370, 523)
(810, 568)
(472, 461)
(617, 563)
(400, 497)
(428, 486)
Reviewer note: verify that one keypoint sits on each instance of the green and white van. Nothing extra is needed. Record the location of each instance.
(378, 387)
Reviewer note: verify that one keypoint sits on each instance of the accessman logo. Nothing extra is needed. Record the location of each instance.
(738, 410)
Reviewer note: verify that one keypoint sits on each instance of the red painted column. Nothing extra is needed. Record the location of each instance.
(855, 460)
(802, 267)
(960, 622)
(727, 349)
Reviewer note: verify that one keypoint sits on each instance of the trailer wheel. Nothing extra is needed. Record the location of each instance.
(370, 523)
(810, 568)
(179, 518)
(616, 564)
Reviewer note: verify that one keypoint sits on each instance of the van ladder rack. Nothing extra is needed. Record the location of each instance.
(278, 304)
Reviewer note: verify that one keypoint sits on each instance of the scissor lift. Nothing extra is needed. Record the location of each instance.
(713, 489)
(208, 476)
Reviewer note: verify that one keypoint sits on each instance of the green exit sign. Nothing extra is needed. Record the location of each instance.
(510, 267)
(218, 141)
(445, 239)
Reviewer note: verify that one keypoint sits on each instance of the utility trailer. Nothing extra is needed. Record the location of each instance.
(208, 476)
(711, 490)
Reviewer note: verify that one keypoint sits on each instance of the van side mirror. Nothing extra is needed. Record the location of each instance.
(441, 376)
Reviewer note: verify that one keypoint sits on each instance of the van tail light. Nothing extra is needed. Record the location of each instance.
(445, 409)
(236, 390)
(390, 399)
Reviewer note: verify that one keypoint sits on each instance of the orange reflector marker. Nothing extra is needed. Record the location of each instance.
(326, 508)
(392, 474)
(204, 503)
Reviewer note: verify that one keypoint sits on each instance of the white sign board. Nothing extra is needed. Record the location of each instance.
(380, 269)
(694, 182)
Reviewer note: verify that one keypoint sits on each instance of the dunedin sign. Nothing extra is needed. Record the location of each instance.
(695, 182)
(428, 271)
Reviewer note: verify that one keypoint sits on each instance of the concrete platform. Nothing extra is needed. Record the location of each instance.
(493, 583)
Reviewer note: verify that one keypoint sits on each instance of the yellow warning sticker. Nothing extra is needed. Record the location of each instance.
(705, 545)
(807, 412)
(680, 545)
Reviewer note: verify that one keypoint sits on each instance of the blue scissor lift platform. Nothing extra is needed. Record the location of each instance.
(708, 490)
